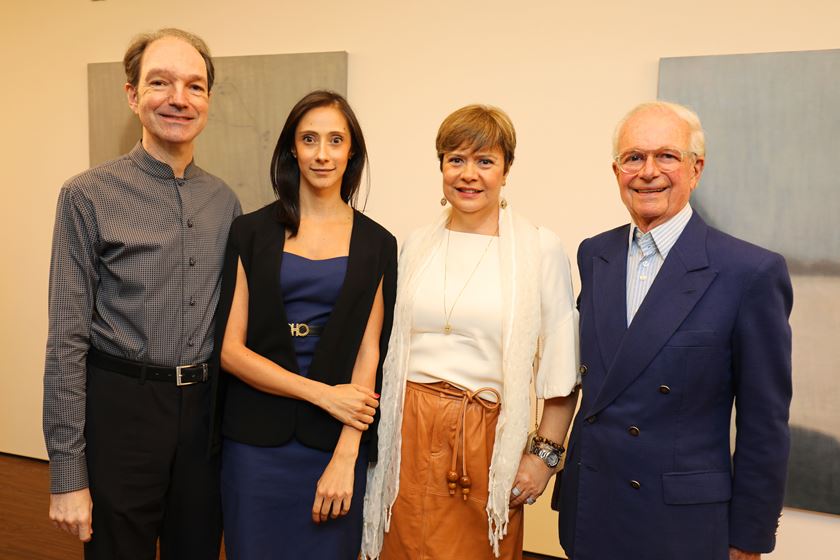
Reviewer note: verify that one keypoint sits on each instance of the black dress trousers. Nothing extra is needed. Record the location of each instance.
(149, 470)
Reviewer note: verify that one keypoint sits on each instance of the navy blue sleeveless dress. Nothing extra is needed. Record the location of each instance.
(268, 492)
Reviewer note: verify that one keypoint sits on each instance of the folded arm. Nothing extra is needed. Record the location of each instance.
(334, 492)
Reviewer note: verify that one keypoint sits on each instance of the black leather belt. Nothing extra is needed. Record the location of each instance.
(180, 375)
(302, 329)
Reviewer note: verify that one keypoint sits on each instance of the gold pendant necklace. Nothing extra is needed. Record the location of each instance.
(447, 315)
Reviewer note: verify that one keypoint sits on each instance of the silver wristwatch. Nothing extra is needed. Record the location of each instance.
(548, 454)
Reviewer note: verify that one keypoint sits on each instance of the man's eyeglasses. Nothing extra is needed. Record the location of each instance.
(666, 159)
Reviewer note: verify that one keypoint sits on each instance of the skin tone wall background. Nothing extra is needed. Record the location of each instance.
(564, 72)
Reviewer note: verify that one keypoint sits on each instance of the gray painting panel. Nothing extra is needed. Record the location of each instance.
(772, 123)
(112, 128)
(249, 103)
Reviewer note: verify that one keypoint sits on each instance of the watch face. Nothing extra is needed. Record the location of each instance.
(549, 457)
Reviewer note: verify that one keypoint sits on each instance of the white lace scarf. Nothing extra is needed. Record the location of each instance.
(519, 259)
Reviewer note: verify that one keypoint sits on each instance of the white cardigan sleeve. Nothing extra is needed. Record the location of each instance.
(558, 347)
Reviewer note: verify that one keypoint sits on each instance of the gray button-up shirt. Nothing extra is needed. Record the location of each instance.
(136, 262)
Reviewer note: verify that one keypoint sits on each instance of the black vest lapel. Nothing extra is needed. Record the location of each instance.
(270, 263)
(358, 268)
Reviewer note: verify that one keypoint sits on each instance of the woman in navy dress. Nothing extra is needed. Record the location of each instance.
(304, 319)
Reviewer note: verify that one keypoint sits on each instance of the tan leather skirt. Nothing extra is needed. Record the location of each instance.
(440, 511)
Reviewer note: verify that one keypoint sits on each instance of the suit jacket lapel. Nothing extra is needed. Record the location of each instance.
(682, 281)
(609, 280)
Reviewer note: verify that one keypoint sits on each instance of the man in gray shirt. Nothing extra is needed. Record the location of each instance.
(134, 281)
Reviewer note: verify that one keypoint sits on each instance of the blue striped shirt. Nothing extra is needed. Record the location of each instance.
(647, 253)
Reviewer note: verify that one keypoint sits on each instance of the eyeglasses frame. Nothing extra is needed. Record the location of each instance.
(684, 154)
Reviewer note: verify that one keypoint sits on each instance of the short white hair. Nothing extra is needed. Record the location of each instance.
(696, 139)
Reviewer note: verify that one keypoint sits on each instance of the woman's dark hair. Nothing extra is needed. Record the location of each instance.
(285, 173)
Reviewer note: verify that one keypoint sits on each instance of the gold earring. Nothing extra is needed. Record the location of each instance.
(503, 203)
(443, 201)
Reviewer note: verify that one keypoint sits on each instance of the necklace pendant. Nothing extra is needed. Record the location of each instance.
(447, 328)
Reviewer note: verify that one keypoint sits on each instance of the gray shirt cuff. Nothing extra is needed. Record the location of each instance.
(68, 475)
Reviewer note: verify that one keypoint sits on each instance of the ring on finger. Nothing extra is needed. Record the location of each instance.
(516, 492)
(530, 500)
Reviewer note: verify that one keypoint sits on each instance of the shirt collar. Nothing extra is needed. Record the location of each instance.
(155, 167)
(665, 235)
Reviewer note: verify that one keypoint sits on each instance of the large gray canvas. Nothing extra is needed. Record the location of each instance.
(250, 101)
(772, 125)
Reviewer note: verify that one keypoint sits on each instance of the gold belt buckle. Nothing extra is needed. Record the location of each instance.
(299, 329)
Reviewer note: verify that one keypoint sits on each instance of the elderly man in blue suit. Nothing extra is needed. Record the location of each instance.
(678, 321)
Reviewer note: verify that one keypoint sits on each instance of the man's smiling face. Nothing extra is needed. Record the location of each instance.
(171, 98)
(651, 195)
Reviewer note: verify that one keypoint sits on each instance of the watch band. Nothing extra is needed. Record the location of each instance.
(540, 439)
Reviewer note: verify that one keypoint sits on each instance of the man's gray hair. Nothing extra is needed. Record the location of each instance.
(134, 54)
(696, 140)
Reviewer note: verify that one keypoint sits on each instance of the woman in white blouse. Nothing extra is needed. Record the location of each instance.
(480, 293)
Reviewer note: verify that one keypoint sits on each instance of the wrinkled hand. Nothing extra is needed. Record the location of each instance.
(738, 554)
(71, 512)
(334, 490)
(531, 479)
(350, 404)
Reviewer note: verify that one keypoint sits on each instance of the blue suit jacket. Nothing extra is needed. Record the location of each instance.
(649, 474)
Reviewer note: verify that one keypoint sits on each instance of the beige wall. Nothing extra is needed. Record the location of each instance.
(565, 71)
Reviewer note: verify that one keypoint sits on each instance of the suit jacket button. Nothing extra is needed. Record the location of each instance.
(633, 431)
(635, 484)
(592, 419)
(582, 369)
(664, 389)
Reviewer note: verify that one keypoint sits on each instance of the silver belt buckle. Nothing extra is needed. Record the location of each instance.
(299, 329)
(178, 369)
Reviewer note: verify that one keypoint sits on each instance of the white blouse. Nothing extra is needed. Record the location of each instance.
(538, 317)
(470, 356)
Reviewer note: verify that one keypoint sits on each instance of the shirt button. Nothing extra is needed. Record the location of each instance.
(179, 182)
(664, 389)
(633, 431)
(192, 261)
(192, 301)
(635, 484)
(189, 222)
(642, 277)
(645, 263)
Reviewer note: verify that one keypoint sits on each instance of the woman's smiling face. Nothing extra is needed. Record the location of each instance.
(473, 179)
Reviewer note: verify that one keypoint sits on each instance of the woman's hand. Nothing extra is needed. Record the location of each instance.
(350, 404)
(531, 479)
(334, 491)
